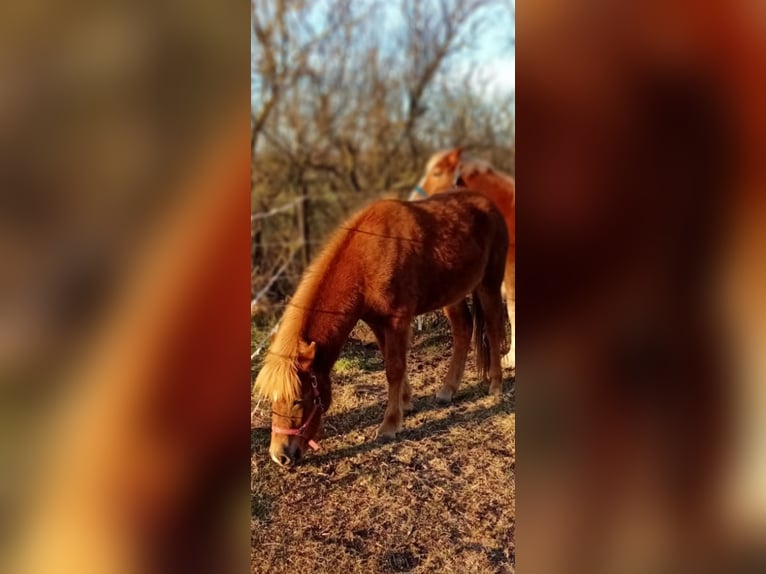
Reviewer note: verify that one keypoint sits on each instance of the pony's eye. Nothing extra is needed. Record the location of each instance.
(296, 402)
(438, 173)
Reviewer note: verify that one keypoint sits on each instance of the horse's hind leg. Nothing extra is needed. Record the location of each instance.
(462, 327)
(509, 360)
(492, 304)
(380, 336)
(396, 343)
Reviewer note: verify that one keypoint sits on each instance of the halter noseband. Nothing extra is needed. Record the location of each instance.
(301, 430)
(420, 191)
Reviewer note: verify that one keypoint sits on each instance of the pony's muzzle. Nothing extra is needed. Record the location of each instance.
(287, 456)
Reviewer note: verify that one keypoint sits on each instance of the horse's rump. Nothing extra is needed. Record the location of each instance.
(421, 256)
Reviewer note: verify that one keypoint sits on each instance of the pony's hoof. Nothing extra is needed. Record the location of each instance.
(508, 362)
(444, 397)
(408, 407)
(496, 389)
(385, 436)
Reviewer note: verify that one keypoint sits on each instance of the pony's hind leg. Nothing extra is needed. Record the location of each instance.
(462, 327)
(380, 336)
(396, 343)
(492, 304)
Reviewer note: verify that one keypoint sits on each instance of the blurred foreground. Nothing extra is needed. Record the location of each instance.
(124, 279)
(642, 287)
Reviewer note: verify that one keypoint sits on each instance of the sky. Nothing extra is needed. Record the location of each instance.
(493, 51)
(495, 59)
(492, 56)
(499, 61)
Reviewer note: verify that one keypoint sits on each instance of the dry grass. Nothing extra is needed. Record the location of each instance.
(438, 499)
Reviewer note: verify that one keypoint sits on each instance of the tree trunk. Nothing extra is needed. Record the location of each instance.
(303, 224)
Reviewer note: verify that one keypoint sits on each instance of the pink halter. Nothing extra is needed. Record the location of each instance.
(300, 431)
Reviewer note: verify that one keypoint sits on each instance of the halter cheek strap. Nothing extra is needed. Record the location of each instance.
(301, 430)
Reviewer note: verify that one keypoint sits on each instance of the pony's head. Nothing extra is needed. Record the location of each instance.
(298, 400)
(442, 172)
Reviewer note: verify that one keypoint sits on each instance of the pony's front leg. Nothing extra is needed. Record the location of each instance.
(397, 340)
(380, 336)
(407, 405)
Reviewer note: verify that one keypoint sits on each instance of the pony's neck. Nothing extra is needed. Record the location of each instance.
(330, 331)
(328, 302)
(331, 314)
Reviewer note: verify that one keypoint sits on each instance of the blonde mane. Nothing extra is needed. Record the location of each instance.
(471, 167)
(278, 378)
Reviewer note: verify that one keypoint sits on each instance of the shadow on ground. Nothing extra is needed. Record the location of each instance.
(349, 421)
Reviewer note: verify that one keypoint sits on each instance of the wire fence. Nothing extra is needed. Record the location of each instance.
(262, 293)
(277, 267)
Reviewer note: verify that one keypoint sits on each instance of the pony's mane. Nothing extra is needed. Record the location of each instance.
(470, 167)
(278, 378)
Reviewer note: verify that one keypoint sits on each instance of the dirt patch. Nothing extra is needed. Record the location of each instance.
(438, 499)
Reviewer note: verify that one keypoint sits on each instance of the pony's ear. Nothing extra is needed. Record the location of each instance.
(453, 157)
(306, 352)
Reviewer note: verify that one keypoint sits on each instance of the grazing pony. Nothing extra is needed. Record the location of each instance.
(445, 171)
(388, 263)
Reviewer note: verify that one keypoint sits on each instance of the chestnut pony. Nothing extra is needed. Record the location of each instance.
(444, 171)
(385, 265)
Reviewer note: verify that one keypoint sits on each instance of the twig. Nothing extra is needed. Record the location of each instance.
(276, 275)
(262, 344)
(276, 210)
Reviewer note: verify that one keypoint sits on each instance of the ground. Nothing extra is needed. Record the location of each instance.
(441, 498)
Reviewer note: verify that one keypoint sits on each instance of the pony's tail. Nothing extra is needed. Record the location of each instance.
(480, 342)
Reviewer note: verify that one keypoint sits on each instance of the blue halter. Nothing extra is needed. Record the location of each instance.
(420, 191)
